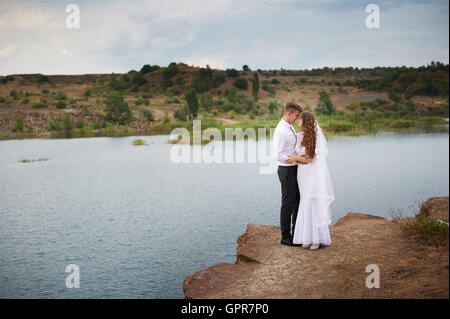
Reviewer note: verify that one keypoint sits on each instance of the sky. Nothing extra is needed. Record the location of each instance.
(119, 36)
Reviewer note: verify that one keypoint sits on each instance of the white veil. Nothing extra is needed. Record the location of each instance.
(315, 181)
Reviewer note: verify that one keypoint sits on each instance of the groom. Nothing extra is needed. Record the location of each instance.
(285, 140)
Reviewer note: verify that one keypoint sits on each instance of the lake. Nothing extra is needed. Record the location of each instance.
(137, 224)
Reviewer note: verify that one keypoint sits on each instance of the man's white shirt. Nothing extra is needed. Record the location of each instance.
(284, 142)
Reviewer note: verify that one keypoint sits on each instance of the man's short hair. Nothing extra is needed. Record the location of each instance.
(292, 107)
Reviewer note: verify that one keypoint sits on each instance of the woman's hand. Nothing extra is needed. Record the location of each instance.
(304, 159)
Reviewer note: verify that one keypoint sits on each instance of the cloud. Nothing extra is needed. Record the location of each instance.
(8, 51)
(213, 62)
(116, 36)
(65, 52)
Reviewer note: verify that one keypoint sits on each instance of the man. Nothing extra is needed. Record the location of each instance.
(285, 140)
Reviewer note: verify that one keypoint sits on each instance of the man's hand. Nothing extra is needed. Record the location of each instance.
(291, 159)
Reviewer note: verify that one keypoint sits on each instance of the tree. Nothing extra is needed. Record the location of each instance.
(325, 106)
(19, 125)
(255, 87)
(170, 71)
(67, 123)
(192, 102)
(117, 109)
(147, 68)
(273, 107)
(206, 101)
(203, 80)
(245, 68)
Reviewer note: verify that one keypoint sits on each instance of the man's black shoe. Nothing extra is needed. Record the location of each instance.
(286, 241)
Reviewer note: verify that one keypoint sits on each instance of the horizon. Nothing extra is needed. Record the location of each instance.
(238, 69)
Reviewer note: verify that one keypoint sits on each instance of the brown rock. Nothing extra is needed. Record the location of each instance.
(436, 208)
(266, 269)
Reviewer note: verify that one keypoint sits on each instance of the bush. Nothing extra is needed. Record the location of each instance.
(80, 123)
(60, 104)
(352, 107)
(275, 81)
(428, 228)
(181, 113)
(45, 91)
(172, 100)
(138, 80)
(118, 84)
(41, 79)
(61, 96)
(148, 114)
(219, 79)
(87, 92)
(54, 125)
(166, 118)
(269, 88)
(232, 73)
(241, 83)
(38, 105)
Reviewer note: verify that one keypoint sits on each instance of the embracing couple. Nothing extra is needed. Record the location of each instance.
(306, 188)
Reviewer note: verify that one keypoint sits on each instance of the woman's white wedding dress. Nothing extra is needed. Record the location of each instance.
(316, 195)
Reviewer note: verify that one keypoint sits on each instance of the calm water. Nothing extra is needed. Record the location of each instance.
(137, 224)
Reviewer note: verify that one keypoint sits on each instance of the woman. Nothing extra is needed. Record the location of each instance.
(316, 190)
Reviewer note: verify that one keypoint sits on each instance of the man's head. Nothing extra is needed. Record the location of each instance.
(292, 112)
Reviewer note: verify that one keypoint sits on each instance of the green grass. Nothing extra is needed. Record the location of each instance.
(429, 229)
(25, 160)
(139, 142)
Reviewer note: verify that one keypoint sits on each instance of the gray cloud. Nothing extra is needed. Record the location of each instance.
(116, 36)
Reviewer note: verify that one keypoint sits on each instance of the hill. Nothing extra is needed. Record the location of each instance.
(153, 99)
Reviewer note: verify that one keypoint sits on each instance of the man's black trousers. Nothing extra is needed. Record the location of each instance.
(290, 199)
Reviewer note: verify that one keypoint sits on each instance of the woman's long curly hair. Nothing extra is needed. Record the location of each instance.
(309, 130)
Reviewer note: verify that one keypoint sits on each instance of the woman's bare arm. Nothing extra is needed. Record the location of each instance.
(299, 159)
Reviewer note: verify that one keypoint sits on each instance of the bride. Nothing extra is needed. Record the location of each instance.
(316, 190)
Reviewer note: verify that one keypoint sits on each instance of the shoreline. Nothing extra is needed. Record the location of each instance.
(129, 131)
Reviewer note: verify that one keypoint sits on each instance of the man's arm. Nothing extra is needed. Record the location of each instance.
(279, 140)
